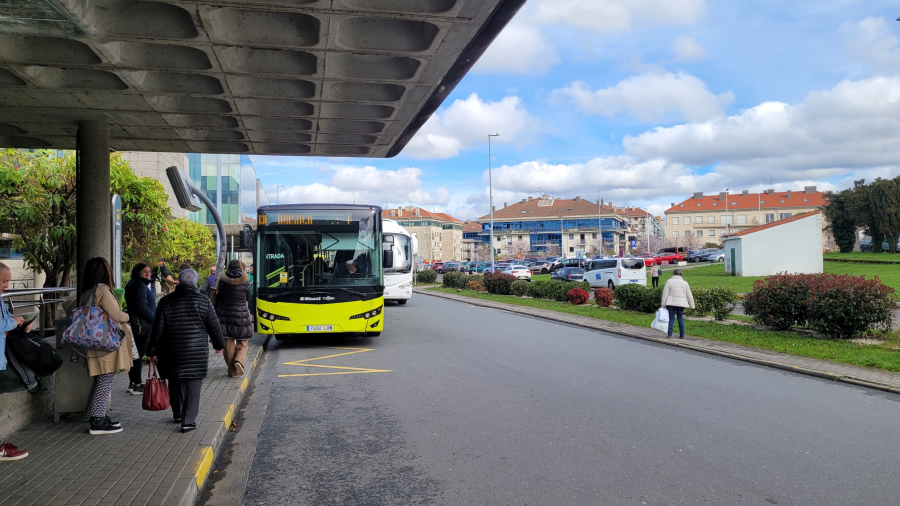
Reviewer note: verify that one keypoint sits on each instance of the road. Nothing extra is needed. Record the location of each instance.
(461, 405)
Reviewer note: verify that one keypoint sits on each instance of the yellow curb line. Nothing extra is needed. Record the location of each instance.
(244, 384)
(201, 470)
(228, 417)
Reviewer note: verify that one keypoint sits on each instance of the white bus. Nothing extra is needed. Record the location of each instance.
(398, 279)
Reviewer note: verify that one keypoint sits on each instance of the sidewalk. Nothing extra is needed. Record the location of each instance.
(872, 378)
(150, 463)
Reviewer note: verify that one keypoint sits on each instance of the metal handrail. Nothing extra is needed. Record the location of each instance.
(41, 302)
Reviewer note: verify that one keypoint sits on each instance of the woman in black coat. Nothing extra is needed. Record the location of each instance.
(178, 344)
(142, 309)
(233, 310)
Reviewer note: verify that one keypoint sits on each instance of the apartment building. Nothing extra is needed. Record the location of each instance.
(471, 238)
(705, 218)
(440, 235)
(547, 225)
(638, 221)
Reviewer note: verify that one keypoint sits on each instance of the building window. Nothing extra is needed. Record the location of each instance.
(675, 221)
(675, 234)
(687, 220)
(593, 236)
(711, 219)
(770, 218)
(687, 233)
(699, 233)
(698, 219)
(520, 237)
(742, 219)
(571, 249)
(784, 215)
(712, 233)
(571, 237)
(727, 220)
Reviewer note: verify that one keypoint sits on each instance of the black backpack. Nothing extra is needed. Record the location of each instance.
(39, 356)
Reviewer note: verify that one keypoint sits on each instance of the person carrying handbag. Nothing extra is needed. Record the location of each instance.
(676, 298)
(142, 309)
(102, 365)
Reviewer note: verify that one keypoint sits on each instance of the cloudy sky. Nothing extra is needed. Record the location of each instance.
(647, 101)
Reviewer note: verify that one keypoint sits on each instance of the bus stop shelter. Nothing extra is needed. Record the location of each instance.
(310, 77)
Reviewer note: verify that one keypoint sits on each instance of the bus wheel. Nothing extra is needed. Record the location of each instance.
(402, 301)
(279, 337)
(373, 334)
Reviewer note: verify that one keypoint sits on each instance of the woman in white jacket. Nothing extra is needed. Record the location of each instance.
(676, 298)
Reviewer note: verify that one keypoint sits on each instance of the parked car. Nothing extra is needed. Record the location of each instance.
(570, 262)
(648, 258)
(437, 266)
(671, 258)
(613, 272)
(540, 268)
(519, 271)
(698, 255)
(568, 274)
(476, 267)
(447, 267)
(679, 250)
(866, 245)
(718, 256)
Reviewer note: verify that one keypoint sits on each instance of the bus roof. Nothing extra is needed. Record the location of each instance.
(291, 207)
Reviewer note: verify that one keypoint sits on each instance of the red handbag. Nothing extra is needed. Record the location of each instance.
(156, 391)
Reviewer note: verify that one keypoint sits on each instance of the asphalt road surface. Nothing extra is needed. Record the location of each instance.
(461, 405)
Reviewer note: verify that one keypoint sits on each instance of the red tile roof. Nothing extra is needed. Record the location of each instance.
(770, 225)
(411, 213)
(632, 212)
(560, 207)
(739, 201)
(472, 226)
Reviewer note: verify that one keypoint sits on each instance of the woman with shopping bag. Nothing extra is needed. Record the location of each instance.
(676, 298)
(103, 364)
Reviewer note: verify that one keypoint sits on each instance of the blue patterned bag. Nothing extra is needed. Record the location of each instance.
(92, 329)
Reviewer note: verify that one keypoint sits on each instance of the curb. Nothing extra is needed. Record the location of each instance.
(678, 344)
(186, 489)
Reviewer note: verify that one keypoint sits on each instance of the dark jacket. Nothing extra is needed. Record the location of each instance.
(183, 320)
(232, 305)
(208, 284)
(141, 305)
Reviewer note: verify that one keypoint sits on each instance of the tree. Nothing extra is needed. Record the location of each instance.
(595, 247)
(518, 249)
(483, 252)
(840, 219)
(553, 250)
(864, 214)
(145, 211)
(187, 241)
(885, 202)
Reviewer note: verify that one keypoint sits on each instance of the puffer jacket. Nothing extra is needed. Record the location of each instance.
(677, 293)
(184, 318)
(232, 306)
(141, 305)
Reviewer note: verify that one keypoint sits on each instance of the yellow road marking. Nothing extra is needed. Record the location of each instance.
(244, 384)
(347, 370)
(228, 416)
(201, 470)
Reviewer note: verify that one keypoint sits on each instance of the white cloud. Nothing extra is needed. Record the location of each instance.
(519, 49)
(368, 185)
(525, 48)
(650, 97)
(467, 122)
(852, 127)
(872, 42)
(687, 49)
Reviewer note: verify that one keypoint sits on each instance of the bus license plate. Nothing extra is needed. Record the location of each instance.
(633, 281)
(319, 328)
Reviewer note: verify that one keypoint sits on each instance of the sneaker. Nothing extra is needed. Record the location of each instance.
(176, 419)
(239, 368)
(9, 451)
(136, 389)
(104, 425)
(114, 423)
(188, 428)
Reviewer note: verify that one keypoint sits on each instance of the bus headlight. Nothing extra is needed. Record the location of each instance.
(368, 314)
(272, 317)
(405, 285)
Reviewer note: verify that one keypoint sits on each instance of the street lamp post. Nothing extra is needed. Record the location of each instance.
(278, 194)
(599, 221)
(491, 199)
(728, 224)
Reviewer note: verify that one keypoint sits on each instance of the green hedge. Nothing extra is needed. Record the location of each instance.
(426, 276)
(554, 289)
(454, 279)
(633, 297)
(519, 288)
(498, 283)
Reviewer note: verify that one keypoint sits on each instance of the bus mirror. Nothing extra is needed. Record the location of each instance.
(246, 238)
(387, 247)
(388, 259)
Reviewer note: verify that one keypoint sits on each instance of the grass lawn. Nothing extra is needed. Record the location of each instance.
(867, 257)
(714, 275)
(874, 356)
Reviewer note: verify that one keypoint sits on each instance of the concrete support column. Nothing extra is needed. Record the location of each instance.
(92, 193)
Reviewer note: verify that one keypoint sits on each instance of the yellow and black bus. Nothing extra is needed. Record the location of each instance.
(320, 269)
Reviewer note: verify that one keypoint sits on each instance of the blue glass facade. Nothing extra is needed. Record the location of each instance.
(239, 193)
(551, 225)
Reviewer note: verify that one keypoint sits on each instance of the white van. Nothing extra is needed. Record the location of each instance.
(613, 272)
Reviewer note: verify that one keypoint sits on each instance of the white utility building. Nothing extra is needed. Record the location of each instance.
(792, 245)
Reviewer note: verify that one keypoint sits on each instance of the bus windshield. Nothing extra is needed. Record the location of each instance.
(402, 248)
(319, 248)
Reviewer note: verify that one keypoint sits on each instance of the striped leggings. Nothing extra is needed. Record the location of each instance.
(98, 399)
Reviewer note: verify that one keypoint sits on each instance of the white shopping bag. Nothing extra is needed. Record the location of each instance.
(659, 325)
(662, 314)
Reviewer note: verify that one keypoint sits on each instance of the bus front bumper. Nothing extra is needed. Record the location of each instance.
(397, 292)
(320, 318)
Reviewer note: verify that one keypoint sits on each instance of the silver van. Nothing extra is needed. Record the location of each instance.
(613, 272)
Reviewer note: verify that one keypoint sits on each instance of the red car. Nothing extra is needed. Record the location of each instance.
(672, 258)
(437, 265)
(649, 259)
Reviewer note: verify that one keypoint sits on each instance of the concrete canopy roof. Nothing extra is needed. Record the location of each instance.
(293, 77)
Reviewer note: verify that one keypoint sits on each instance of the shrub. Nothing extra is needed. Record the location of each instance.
(577, 296)
(426, 276)
(538, 289)
(652, 299)
(778, 301)
(454, 279)
(839, 306)
(719, 301)
(475, 285)
(519, 288)
(629, 297)
(498, 283)
(843, 306)
(700, 303)
(603, 297)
